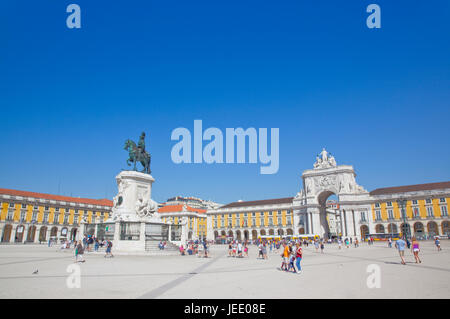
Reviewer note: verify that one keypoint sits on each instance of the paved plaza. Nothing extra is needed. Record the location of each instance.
(333, 274)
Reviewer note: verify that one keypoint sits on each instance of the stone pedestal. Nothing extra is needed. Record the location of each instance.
(133, 200)
(134, 217)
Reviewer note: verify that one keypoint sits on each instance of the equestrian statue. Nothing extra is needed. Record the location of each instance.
(137, 153)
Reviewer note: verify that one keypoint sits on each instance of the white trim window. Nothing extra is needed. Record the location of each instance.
(444, 211)
(390, 214)
(363, 216)
(23, 215)
(416, 212)
(377, 215)
(289, 221)
(430, 211)
(34, 216)
(10, 215)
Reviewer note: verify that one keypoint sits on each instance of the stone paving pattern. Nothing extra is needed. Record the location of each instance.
(333, 274)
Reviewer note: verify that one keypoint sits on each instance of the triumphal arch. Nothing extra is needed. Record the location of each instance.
(325, 179)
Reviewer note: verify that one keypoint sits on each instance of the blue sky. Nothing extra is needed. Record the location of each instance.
(376, 99)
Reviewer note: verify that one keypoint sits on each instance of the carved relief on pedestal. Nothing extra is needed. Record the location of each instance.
(122, 186)
(145, 206)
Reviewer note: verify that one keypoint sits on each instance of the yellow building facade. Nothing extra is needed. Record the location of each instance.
(422, 215)
(250, 220)
(36, 217)
(195, 218)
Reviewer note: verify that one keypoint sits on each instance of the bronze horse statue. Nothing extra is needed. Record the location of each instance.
(136, 155)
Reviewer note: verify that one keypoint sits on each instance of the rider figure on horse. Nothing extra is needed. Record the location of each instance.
(141, 144)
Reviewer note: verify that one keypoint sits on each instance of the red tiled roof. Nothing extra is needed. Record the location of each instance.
(88, 201)
(275, 201)
(410, 188)
(179, 208)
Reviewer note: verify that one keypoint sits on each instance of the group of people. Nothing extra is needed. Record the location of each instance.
(320, 244)
(198, 248)
(401, 245)
(292, 254)
(237, 249)
(86, 244)
(348, 241)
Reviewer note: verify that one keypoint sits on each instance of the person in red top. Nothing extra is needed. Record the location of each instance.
(298, 257)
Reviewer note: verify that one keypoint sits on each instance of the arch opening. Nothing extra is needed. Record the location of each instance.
(329, 220)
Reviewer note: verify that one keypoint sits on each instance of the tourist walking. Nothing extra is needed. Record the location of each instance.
(291, 259)
(415, 250)
(400, 244)
(285, 257)
(340, 243)
(437, 243)
(390, 242)
(264, 250)
(205, 248)
(79, 252)
(298, 257)
(322, 246)
(316, 244)
(239, 249)
(260, 251)
(109, 245)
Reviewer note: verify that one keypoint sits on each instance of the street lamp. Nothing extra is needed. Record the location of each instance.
(402, 204)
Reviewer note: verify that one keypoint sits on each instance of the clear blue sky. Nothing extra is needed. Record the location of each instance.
(377, 99)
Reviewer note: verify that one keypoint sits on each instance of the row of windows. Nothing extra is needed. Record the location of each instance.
(416, 212)
(57, 209)
(10, 216)
(288, 212)
(414, 202)
(244, 222)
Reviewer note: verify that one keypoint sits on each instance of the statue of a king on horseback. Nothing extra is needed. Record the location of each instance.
(137, 153)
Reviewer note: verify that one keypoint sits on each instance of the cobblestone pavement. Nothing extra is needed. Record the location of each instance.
(333, 274)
